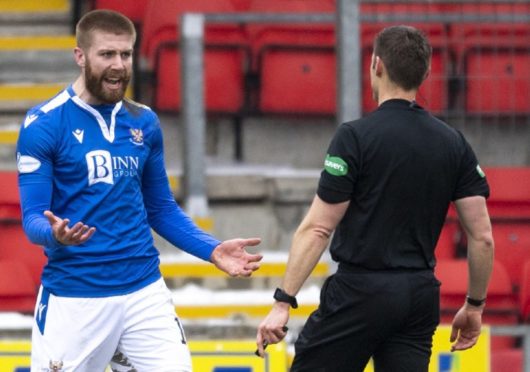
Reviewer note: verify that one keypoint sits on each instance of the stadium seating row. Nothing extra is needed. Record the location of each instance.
(479, 67)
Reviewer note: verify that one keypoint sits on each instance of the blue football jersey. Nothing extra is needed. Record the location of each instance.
(102, 165)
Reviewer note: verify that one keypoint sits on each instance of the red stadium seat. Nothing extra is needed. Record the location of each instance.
(507, 360)
(512, 247)
(15, 246)
(509, 209)
(9, 199)
(524, 293)
(295, 63)
(501, 307)
(494, 60)
(226, 54)
(17, 291)
(510, 192)
(448, 241)
(433, 93)
(133, 9)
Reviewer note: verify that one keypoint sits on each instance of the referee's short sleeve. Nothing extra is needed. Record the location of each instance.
(471, 179)
(341, 166)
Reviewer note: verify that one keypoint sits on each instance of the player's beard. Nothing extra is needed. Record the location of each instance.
(95, 84)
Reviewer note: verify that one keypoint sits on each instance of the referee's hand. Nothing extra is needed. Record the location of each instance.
(466, 327)
(273, 328)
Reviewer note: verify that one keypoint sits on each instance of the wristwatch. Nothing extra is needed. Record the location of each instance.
(281, 296)
(475, 302)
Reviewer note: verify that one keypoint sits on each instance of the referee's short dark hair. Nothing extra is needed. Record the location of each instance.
(102, 20)
(406, 54)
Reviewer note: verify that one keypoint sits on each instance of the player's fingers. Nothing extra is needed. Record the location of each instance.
(52, 219)
(78, 231)
(87, 235)
(254, 257)
(244, 273)
(252, 266)
(63, 224)
(251, 241)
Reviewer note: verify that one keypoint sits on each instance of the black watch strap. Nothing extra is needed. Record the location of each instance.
(281, 296)
(475, 302)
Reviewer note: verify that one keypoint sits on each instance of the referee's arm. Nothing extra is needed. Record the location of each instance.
(473, 214)
(309, 242)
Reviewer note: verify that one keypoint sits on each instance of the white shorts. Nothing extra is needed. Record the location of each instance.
(83, 334)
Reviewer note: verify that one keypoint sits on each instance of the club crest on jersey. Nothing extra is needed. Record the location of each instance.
(137, 136)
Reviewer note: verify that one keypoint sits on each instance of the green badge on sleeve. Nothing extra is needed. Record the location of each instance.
(335, 166)
(480, 172)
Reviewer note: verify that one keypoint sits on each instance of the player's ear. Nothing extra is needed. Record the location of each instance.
(79, 56)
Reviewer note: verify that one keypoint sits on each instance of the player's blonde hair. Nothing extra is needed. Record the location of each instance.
(102, 20)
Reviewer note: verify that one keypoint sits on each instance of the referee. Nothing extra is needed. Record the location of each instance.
(387, 183)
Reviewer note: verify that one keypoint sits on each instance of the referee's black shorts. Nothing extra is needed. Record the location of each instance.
(388, 315)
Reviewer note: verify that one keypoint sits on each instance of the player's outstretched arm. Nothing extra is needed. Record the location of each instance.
(75, 235)
(231, 257)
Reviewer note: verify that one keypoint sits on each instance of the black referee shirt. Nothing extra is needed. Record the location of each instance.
(400, 167)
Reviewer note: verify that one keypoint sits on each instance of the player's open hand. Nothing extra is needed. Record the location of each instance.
(75, 235)
(231, 257)
(466, 327)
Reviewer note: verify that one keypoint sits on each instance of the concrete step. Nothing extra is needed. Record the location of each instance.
(34, 68)
(37, 59)
(34, 17)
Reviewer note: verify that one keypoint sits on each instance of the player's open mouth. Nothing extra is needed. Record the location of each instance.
(113, 83)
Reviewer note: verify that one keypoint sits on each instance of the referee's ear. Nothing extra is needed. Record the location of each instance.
(378, 66)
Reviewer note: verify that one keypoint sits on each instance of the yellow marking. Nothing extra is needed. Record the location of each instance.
(200, 270)
(205, 223)
(35, 92)
(8, 137)
(174, 183)
(15, 6)
(37, 42)
(227, 311)
(29, 92)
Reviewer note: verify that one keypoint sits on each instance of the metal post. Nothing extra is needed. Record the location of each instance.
(526, 349)
(349, 76)
(194, 118)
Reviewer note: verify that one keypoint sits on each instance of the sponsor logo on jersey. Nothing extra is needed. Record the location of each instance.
(480, 172)
(78, 134)
(29, 119)
(27, 164)
(102, 167)
(137, 136)
(335, 166)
